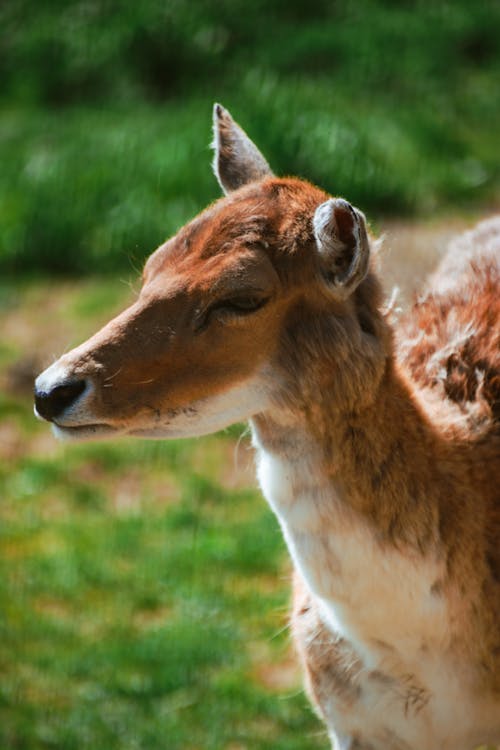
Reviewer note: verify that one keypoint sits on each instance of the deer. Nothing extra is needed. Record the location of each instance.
(377, 442)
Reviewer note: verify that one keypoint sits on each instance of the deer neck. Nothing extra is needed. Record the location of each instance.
(353, 495)
(375, 463)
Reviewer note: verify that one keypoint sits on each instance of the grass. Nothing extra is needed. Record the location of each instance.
(106, 116)
(117, 631)
(101, 189)
(129, 623)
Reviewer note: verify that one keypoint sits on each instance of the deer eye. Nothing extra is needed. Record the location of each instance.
(241, 305)
(231, 308)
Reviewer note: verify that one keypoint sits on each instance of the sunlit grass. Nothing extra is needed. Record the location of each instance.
(100, 189)
(132, 622)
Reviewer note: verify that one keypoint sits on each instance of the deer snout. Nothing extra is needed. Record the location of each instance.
(57, 391)
(65, 399)
(52, 403)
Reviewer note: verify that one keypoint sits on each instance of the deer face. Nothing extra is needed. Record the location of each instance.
(199, 349)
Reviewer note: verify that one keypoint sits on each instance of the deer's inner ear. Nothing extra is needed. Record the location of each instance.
(343, 245)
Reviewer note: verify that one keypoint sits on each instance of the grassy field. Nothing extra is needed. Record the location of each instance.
(106, 115)
(144, 586)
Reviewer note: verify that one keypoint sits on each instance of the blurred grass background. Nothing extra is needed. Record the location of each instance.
(144, 586)
(106, 109)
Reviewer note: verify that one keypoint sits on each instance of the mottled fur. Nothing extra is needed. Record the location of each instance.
(450, 340)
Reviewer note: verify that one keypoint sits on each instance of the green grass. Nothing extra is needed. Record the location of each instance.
(100, 190)
(95, 190)
(122, 629)
(134, 625)
(106, 116)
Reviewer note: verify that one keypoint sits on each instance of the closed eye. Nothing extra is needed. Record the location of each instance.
(240, 305)
(231, 308)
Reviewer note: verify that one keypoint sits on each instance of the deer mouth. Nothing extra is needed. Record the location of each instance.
(79, 433)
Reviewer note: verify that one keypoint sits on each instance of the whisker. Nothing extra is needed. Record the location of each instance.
(113, 375)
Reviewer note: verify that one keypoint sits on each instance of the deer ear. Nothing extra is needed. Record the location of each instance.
(237, 160)
(343, 246)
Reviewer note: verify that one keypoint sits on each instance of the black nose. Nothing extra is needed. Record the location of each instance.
(49, 404)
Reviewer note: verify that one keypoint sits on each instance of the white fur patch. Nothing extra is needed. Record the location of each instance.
(211, 414)
(346, 568)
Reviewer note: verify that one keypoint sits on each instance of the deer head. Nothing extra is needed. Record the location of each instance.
(225, 308)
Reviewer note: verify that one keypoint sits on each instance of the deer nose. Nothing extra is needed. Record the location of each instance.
(49, 404)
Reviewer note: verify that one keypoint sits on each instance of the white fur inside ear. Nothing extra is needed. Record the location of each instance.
(326, 228)
(344, 251)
